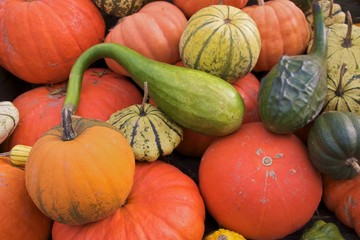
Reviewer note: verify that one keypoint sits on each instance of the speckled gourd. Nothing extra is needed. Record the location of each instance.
(120, 8)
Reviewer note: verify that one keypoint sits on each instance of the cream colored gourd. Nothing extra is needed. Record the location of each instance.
(9, 118)
(332, 13)
(149, 131)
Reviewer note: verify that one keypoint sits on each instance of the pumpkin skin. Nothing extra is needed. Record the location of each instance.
(21, 219)
(158, 39)
(289, 33)
(342, 198)
(61, 29)
(221, 40)
(164, 204)
(253, 181)
(189, 7)
(88, 178)
(103, 92)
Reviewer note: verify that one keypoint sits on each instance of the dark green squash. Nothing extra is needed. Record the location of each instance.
(321, 230)
(120, 8)
(293, 92)
(334, 144)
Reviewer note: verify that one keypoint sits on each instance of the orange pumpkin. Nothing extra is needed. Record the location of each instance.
(80, 179)
(103, 93)
(343, 198)
(258, 183)
(154, 32)
(283, 31)
(164, 203)
(189, 7)
(53, 36)
(20, 218)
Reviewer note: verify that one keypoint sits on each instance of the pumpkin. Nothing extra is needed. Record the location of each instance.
(221, 40)
(20, 218)
(189, 7)
(149, 131)
(343, 90)
(342, 198)
(289, 34)
(9, 119)
(103, 92)
(120, 8)
(52, 38)
(254, 181)
(164, 203)
(333, 144)
(158, 39)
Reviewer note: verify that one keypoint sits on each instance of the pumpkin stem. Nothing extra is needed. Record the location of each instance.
(68, 130)
(339, 90)
(331, 8)
(220, 2)
(354, 163)
(260, 2)
(145, 97)
(347, 41)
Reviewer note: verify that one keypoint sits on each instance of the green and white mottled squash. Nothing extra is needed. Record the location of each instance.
(9, 118)
(149, 131)
(343, 90)
(332, 13)
(221, 40)
(120, 8)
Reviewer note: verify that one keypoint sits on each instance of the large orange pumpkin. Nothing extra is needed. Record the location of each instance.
(189, 7)
(40, 40)
(258, 183)
(20, 218)
(164, 204)
(154, 32)
(103, 93)
(283, 30)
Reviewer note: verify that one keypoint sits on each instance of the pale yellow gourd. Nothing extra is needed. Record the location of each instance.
(9, 118)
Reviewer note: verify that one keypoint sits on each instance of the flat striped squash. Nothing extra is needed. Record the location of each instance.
(9, 118)
(221, 40)
(332, 13)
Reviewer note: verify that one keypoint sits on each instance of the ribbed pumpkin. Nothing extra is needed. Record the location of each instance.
(9, 119)
(221, 40)
(53, 36)
(343, 90)
(154, 32)
(189, 7)
(333, 144)
(103, 92)
(81, 176)
(164, 203)
(283, 31)
(120, 8)
(20, 218)
(259, 184)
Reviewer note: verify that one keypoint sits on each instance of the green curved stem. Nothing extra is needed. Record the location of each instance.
(319, 47)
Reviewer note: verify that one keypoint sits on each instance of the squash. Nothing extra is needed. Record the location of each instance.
(293, 92)
(20, 218)
(190, 97)
(224, 234)
(149, 131)
(343, 90)
(322, 230)
(158, 39)
(333, 144)
(164, 203)
(289, 34)
(221, 40)
(254, 181)
(189, 7)
(52, 38)
(342, 198)
(103, 92)
(18, 155)
(120, 8)
(9, 119)
(332, 13)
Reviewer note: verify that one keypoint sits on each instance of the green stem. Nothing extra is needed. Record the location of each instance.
(319, 47)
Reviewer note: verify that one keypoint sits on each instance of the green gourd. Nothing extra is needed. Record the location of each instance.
(321, 230)
(333, 144)
(293, 92)
(192, 98)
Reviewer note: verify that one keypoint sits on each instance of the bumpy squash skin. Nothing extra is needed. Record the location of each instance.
(333, 138)
(321, 230)
(120, 8)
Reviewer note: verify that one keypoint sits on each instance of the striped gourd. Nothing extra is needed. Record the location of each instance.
(221, 40)
(9, 118)
(332, 13)
(120, 8)
(18, 155)
(343, 90)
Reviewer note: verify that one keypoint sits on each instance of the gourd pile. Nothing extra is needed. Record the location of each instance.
(265, 97)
